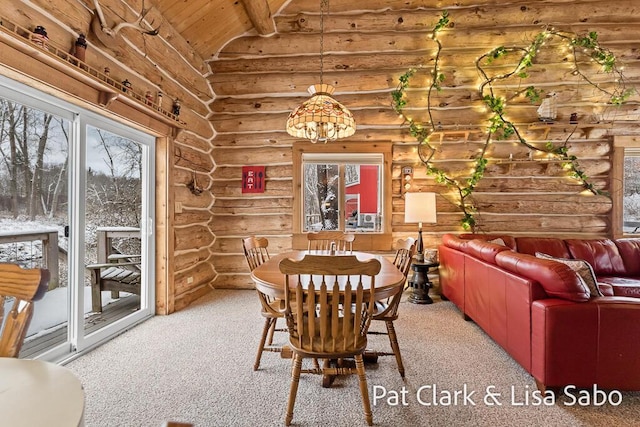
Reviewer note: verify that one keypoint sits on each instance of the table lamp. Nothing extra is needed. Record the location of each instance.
(420, 207)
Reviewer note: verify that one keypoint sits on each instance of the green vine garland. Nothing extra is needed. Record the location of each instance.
(500, 128)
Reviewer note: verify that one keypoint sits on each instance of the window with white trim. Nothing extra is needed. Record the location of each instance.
(631, 191)
(342, 192)
(343, 186)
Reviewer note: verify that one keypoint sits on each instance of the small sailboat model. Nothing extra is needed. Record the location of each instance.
(548, 111)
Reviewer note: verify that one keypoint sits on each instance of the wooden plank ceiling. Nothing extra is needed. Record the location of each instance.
(207, 25)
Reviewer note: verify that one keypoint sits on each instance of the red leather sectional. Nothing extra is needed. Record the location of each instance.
(539, 311)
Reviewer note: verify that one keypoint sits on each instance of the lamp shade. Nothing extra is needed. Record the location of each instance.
(321, 118)
(420, 207)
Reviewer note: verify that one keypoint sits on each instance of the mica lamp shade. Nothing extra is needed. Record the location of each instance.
(321, 118)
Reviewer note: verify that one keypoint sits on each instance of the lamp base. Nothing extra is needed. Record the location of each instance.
(420, 283)
(419, 256)
(419, 296)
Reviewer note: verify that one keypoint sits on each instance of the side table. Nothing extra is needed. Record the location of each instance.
(420, 283)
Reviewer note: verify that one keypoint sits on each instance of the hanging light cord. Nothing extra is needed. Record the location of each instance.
(323, 4)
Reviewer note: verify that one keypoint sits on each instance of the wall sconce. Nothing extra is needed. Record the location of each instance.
(407, 179)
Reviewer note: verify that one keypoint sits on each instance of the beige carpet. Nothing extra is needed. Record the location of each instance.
(196, 366)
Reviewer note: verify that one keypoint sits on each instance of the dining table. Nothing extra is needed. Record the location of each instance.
(39, 393)
(270, 281)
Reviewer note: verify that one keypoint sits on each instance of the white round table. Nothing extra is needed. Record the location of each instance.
(37, 393)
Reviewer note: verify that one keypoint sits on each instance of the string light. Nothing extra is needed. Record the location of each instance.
(500, 126)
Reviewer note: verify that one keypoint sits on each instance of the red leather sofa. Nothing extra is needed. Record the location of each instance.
(542, 314)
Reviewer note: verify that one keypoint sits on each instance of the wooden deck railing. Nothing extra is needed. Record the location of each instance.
(49, 239)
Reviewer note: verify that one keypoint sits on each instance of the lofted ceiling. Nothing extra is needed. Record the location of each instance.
(207, 25)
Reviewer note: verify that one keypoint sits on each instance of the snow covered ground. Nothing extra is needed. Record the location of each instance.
(52, 311)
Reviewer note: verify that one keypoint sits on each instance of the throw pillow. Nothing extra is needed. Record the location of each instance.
(498, 241)
(582, 268)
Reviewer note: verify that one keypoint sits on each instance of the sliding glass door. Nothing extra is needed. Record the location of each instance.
(117, 238)
(76, 197)
(34, 203)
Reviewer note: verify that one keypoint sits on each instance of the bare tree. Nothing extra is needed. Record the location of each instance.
(24, 137)
(321, 194)
(36, 176)
(13, 161)
(57, 189)
(119, 190)
(631, 198)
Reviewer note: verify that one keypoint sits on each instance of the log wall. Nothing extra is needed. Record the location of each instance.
(184, 267)
(235, 105)
(258, 80)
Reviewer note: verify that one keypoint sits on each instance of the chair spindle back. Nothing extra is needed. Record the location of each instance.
(322, 240)
(404, 254)
(24, 286)
(317, 290)
(255, 251)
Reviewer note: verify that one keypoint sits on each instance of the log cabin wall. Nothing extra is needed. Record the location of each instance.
(258, 80)
(235, 105)
(184, 162)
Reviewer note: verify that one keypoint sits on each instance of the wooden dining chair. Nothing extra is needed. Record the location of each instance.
(405, 250)
(317, 288)
(387, 310)
(322, 240)
(256, 253)
(23, 286)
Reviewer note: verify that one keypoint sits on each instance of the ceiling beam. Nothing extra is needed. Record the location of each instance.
(260, 16)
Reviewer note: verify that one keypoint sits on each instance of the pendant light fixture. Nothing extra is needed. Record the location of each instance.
(321, 118)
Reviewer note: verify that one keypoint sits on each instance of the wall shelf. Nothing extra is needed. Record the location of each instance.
(20, 38)
(466, 133)
(456, 132)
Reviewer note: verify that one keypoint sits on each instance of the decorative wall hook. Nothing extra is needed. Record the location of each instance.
(193, 186)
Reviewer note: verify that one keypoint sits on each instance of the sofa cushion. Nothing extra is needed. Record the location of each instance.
(582, 269)
(602, 254)
(484, 250)
(509, 241)
(455, 242)
(497, 241)
(630, 252)
(546, 245)
(557, 279)
(621, 286)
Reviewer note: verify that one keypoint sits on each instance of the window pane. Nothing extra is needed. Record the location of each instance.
(362, 198)
(342, 196)
(631, 198)
(34, 154)
(321, 197)
(113, 220)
